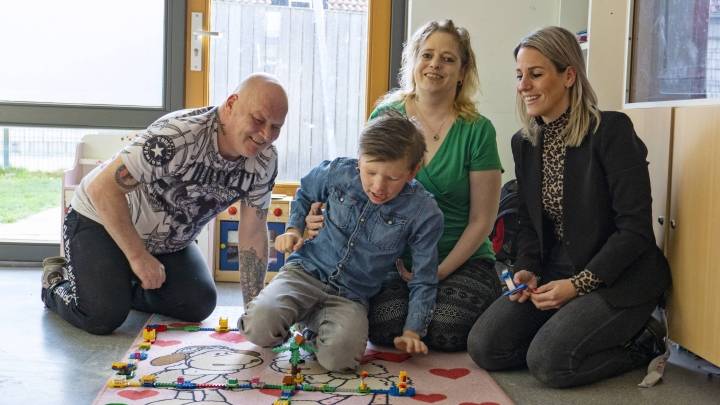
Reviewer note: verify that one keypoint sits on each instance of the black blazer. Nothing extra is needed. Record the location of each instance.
(607, 212)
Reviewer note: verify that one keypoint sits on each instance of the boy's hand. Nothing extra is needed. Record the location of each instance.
(410, 342)
(314, 220)
(290, 241)
(404, 273)
(527, 278)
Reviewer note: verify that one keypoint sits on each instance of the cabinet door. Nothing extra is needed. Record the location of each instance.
(654, 127)
(694, 235)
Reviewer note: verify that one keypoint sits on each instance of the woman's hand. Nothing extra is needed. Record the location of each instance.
(527, 278)
(554, 294)
(314, 220)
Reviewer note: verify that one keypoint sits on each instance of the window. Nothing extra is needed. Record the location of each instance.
(675, 50)
(68, 69)
(89, 63)
(318, 50)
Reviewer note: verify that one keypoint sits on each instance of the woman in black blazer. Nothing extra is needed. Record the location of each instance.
(586, 247)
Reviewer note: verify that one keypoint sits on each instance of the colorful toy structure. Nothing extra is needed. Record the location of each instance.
(506, 277)
(290, 385)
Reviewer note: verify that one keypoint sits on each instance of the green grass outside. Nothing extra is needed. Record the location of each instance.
(23, 193)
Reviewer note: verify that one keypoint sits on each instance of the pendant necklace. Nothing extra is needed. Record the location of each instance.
(435, 133)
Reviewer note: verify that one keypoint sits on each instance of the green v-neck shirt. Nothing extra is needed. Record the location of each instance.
(468, 146)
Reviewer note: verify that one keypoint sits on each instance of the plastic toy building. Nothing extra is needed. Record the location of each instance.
(290, 385)
(506, 277)
(149, 334)
(296, 343)
(363, 387)
(402, 388)
(138, 356)
(223, 325)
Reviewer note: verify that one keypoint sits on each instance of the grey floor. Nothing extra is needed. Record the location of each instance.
(46, 361)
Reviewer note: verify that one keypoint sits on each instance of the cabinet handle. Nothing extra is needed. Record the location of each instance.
(661, 220)
(673, 224)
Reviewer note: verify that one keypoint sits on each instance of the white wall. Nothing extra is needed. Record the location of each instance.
(495, 28)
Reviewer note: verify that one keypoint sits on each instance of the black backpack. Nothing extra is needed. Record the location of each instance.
(505, 231)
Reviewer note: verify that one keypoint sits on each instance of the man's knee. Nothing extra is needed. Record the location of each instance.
(104, 322)
(205, 300)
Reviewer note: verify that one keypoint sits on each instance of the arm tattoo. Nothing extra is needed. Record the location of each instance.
(252, 273)
(261, 214)
(124, 179)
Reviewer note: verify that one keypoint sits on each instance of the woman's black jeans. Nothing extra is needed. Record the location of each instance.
(584, 341)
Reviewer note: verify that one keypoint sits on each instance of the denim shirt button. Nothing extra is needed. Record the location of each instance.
(342, 199)
(389, 222)
(352, 243)
(362, 219)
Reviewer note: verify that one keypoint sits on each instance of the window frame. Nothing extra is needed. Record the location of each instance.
(115, 116)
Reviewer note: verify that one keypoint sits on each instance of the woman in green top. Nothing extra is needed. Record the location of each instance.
(462, 169)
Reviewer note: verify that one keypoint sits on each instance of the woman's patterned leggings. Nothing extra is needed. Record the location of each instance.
(461, 298)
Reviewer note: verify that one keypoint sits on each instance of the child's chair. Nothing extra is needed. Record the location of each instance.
(92, 150)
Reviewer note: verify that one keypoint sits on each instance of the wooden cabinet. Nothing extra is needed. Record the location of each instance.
(693, 243)
(654, 127)
(607, 40)
(684, 156)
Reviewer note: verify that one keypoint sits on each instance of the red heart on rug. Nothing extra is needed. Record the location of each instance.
(272, 393)
(453, 373)
(231, 337)
(135, 395)
(387, 356)
(164, 343)
(183, 324)
(429, 398)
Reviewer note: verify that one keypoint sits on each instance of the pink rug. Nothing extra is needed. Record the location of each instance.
(214, 358)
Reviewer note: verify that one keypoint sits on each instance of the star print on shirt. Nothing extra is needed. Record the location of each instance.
(158, 150)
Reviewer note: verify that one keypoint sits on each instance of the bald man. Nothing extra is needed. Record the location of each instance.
(128, 234)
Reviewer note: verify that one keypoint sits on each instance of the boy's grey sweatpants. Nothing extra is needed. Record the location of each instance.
(294, 296)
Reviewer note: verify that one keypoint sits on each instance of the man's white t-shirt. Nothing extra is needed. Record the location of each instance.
(184, 182)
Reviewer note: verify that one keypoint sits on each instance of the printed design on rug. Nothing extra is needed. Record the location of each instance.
(215, 358)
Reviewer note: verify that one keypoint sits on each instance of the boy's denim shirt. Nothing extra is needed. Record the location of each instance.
(360, 241)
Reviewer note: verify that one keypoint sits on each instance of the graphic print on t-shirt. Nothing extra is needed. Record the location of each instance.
(185, 182)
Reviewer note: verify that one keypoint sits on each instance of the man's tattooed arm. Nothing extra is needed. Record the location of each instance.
(261, 214)
(124, 179)
(252, 272)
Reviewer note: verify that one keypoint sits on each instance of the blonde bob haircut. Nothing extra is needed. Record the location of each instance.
(560, 46)
(466, 88)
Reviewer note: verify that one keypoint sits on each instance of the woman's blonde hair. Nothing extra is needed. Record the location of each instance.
(560, 46)
(466, 88)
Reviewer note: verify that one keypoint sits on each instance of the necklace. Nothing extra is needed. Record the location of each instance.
(435, 133)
